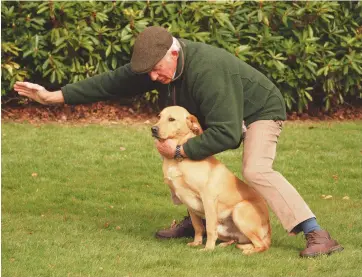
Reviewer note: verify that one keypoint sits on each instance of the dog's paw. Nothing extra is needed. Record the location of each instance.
(194, 243)
(227, 243)
(247, 249)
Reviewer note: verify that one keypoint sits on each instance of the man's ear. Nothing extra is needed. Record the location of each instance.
(194, 124)
(174, 54)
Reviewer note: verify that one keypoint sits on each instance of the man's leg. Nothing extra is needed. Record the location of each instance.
(259, 153)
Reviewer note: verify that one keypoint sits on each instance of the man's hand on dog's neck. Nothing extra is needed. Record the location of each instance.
(167, 148)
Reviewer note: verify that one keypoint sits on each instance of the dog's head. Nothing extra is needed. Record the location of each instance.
(176, 123)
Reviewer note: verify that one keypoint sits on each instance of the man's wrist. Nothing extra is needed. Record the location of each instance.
(55, 97)
(179, 153)
(178, 156)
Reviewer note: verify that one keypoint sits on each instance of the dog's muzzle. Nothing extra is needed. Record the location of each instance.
(154, 131)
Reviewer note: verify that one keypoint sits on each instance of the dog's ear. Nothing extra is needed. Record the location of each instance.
(194, 124)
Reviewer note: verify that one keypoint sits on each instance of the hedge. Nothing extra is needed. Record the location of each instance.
(311, 50)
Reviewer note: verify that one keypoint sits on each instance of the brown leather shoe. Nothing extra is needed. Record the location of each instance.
(180, 230)
(319, 243)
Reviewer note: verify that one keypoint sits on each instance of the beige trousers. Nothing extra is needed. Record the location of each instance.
(260, 144)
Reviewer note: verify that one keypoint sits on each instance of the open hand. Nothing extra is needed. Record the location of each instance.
(33, 91)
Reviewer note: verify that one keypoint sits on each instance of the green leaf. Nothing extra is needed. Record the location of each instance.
(36, 41)
(59, 76)
(60, 41)
(356, 67)
(45, 64)
(310, 31)
(280, 66)
(326, 69)
(158, 10)
(341, 99)
(328, 104)
(46, 73)
(114, 62)
(27, 53)
(310, 98)
(108, 51)
(117, 48)
(260, 15)
(300, 11)
(320, 71)
(141, 24)
(126, 38)
(345, 70)
(43, 9)
(101, 17)
(285, 20)
(52, 77)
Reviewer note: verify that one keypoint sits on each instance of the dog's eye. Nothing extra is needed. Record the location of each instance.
(171, 119)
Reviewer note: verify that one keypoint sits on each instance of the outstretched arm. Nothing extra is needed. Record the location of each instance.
(39, 93)
(105, 86)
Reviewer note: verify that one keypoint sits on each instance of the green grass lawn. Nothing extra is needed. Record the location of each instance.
(75, 204)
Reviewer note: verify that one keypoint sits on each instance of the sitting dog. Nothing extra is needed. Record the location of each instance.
(234, 212)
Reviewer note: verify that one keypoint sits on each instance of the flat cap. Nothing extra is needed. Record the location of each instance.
(150, 47)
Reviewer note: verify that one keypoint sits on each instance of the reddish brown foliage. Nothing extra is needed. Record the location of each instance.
(341, 113)
(89, 113)
(103, 112)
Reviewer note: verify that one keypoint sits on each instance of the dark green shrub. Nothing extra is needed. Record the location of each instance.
(311, 50)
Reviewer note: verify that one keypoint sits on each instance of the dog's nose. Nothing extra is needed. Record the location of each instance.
(154, 130)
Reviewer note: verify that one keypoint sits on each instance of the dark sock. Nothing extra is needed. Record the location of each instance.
(309, 225)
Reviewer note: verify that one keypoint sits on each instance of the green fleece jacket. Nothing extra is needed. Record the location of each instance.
(215, 86)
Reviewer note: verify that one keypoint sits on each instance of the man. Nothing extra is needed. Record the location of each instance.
(221, 91)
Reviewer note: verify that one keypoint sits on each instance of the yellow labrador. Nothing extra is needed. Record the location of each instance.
(234, 212)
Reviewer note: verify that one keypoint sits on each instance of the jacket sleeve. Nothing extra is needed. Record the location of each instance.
(108, 85)
(220, 98)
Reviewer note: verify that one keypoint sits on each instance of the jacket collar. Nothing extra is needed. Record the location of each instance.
(180, 61)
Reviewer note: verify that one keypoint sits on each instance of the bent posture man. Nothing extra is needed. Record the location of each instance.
(221, 91)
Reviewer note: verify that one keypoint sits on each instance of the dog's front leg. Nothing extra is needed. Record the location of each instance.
(211, 220)
(198, 227)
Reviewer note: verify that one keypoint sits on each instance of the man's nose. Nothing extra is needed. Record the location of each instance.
(154, 130)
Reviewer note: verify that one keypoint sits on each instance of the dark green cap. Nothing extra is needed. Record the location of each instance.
(150, 47)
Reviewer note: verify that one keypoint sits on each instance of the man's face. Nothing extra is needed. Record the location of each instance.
(164, 70)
